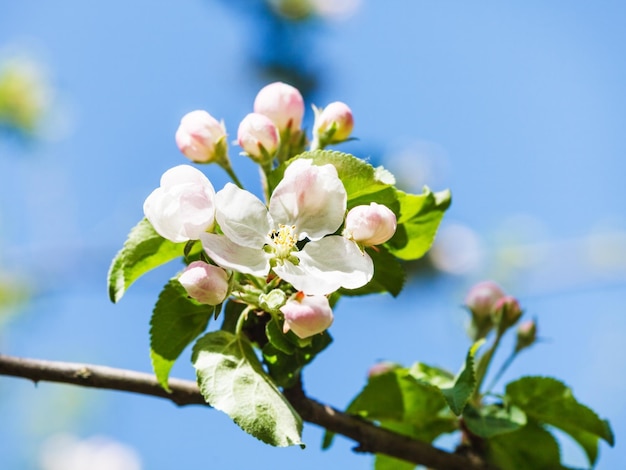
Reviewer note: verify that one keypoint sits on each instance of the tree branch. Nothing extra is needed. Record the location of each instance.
(370, 437)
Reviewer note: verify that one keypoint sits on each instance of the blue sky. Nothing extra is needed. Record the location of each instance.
(517, 108)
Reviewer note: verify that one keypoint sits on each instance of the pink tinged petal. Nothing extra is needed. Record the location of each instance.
(310, 197)
(282, 103)
(370, 225)
(197, 135)
(337, 114)
(205, 283)
(183, 207)
(326, 265)
(307, 315)
(239, 258)
(257, 132)
(242, 217)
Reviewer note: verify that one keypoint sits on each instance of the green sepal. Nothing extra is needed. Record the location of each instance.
(176, 321)
(548, 401)
(232, 380)
(143, 251)
(458, 394)
(418, 222)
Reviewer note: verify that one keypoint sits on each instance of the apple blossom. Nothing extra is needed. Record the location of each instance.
(307, 315)
(201, 138)
(308, 204)
(182, 207)
(205, 283)
(258, 137)
(282, 103)
(370, 225)
(333, 124)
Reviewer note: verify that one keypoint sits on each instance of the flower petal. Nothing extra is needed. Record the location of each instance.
(310, 197)
(228, 254)
(242, 216)
(326, 265)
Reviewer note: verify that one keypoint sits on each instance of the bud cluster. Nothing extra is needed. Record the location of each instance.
(293, 237)
(490, 307)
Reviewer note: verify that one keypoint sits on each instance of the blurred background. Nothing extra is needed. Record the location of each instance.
(517, 108)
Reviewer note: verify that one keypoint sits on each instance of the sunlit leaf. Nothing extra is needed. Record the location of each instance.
(143, 250)
(176, 321)
(232, 380)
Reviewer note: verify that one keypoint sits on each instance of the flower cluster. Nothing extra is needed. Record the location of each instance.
(295, 241)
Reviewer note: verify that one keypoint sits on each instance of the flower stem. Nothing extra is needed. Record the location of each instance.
(483, 364)
(228, 169)
(503, 368)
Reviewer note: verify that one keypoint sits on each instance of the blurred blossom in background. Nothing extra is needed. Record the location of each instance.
(67, 452)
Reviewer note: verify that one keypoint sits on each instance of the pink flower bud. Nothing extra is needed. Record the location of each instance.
(258, 136)
(381, 368)
(205, 283)
(526, 335)
(334, 123)
(307, 315)
(182, 207)
(370, 225)
(282, 103)
(482, 298)
(506, 311)
(201, 138)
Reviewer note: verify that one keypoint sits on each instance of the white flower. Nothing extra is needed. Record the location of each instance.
(309, 203)
(182, 207)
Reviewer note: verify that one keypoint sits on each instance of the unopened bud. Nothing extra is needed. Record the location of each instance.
(526, 335)
(258, 137)
(307, 315)
(205, 283)
(201, 138)
(480, 301)
(506, 312)
(381, 368)
(283, 104)
(370, 225)
(333, 124)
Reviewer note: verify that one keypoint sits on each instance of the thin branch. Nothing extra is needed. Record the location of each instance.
(370, 437)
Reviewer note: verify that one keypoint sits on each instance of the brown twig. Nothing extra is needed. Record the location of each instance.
(370, 438)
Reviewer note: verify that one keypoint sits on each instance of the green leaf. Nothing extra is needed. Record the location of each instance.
(176, 321)
(549, 401)
(418, 222)
(232, 380)
(143, 250)
(389, 275)
(464, 384)
(529, 448)
(285, 365)
(384, 462)
(399, 402)
(491, 420)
